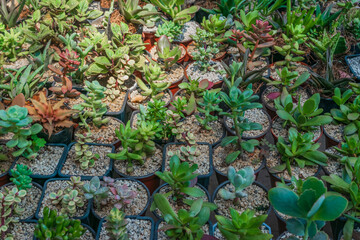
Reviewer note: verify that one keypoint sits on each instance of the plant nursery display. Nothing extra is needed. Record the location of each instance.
(179, 119)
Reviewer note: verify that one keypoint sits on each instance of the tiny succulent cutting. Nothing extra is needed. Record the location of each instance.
(116, 225)
(83, 153)
(21, 177)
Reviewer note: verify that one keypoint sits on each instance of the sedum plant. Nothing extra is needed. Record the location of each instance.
(300, 150)
(180, 178)
(170, 29)
(244, 226)
(94, 190)
(116, 225)
(11, 44)
(217, 24)
(239, 102)
(10, 208)
(122, 193)
(53, 226)
(16, 120)
(21, 177)
(153, 76)
(83, 154)
(184, 224)
(51, 116)
(208, 108)
(92, 102)
(240, 180)
(186, 153)
(309, 208)
(168, 54)
(304, 117)
(135, 14)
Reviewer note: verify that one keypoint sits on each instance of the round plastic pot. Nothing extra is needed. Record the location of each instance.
(149, 37)
(158, 189)
(329, 140)
(201, 179)
(128, 103)
(231, 132)
(350, 66)
(108, 171)
(83, 219)
(264, 224)
(216, 84)
(120, 114)
(152, 236)
(226, 182)
(327, 104)
(34, 185)
(156, 230)
(65, 136)
(142, 213)
(40, 179)
(221, 177)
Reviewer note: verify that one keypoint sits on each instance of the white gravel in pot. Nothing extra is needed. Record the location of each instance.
(30, 202)
(19, 63)
(273, 159)
(212, 136)
(46, 161)
(334, 166)
(137, 229)
(335, 131)
(55, 186)
(137, 205)
(193, 72)
(5, 165)
(102, 164)
(188, 29)
(220, 153)
(256, 115)
(256, 200)
(203, 160)
(354, 62)
(22, 231)
(151, 165)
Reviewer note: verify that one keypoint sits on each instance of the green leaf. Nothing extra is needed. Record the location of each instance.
(232, 157)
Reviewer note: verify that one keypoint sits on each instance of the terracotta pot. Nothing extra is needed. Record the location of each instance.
(149, 37)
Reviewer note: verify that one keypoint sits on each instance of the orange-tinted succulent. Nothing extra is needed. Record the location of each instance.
(51, 116)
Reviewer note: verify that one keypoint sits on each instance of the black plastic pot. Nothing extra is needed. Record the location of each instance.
(84, 218)
(156, 230)
(65, 136)
(34, 185)
(327, 104)
(120, 114)
(264, 224)
(142, 213)
(158, 189)
(108, 171)
(329, 140)
(202, 179)
(226, 182)
(40, 179)
(350, 66)
(152, 236)
(93, 233)
(222, 177)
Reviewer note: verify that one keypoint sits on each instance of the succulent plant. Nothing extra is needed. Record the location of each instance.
(94, 190)
(71, 201)
(21, 177)
(83, 153)
(116, 225)
(114, 87)
(217, 24)
(16, 120)
(167, 54)
(135, 14)
(186, 153)
(51, 116)
(240, 180)
(53, 226)
(208, 109)
(123, 195)
(169, 29)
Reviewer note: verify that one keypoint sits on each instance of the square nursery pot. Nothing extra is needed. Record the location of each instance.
(120, 114)
(353, 61)
(166, 184)
(142, 213)
(156, 230)
(84, 219)
(65, 136)
(152, 229)
(201, 179)
(40, 179)
(86, 177)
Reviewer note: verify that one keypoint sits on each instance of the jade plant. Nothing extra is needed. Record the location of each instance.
(181, 179)
(183, 225)
(208, 109)
(239, 102)
(116, 225)
(299, 149)
(53, 226)
(240, 180)
(94, 190)
(304, 117)
(92, 102)
(16, 120)
(244, 226)
(21, 177)
(186, 153)
(309, 208)
(170, 29)
(83, 153)
(10, 209)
